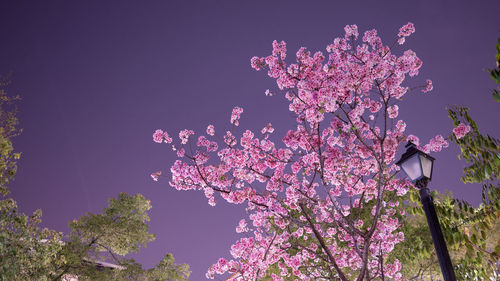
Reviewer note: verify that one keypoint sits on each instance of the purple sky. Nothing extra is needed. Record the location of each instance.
(98, 77)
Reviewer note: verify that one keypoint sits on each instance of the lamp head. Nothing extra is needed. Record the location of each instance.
(416, 164)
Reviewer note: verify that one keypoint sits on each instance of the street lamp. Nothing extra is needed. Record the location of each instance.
(417, 165)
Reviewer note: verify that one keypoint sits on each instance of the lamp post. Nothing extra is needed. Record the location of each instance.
(417, 165)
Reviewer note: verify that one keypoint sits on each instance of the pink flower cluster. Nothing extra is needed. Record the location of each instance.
(414, 139)
(257, 63)
(351, 31)
(435, 144)
(211, 130)
(279, 49)
(269, 93)
(242, 226)
(405, 31)
(461, 130)
(160, 136)
(221, 267)
(156, 175)
(393, 111)
(428, 86)
(267, 129)
(184, 135)
(235, 115)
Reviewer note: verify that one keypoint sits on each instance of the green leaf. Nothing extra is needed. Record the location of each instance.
(496, 95)
(495, 74)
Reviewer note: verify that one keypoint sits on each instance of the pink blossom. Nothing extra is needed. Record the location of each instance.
(435, 144)
(180, 153)
(351, 31)
(202, 141)
(229, 139)
(209, 192)
(267, 129)
(279, 49)
(370, 36)
(167, 138)
(393, 111)
(406, 30)
(428, 86)
(414, 139)
(426, 148)
(211, 130)
(184, 135)
(242, 226)
(211, 201)
(235, 115)
(374, 106)
(257, 63)
(461, 130)
(158, 136)
(155, 175)
(393, 270)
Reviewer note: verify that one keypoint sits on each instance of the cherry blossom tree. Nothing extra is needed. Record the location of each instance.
(325, 203)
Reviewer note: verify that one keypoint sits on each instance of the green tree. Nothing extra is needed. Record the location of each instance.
(118, 230)
(471, 234)
(495, 73)
(8, 129)
(29, 252)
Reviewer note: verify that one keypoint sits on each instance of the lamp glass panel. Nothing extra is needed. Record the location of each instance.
(412, 168)
(426, 166)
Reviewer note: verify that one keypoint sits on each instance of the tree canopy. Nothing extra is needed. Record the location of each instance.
(325, 204)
